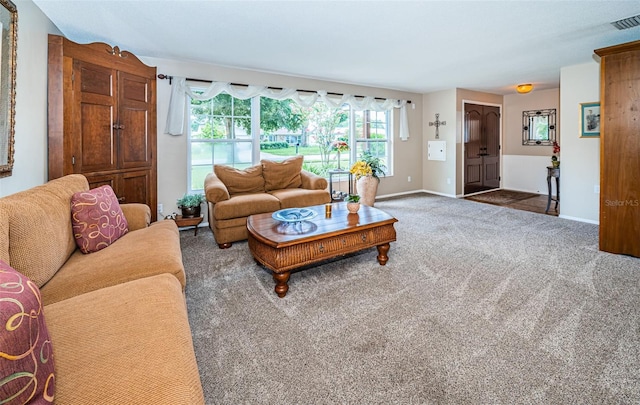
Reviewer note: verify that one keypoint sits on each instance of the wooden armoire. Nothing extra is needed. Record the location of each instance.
(620, 148)
(102, 119)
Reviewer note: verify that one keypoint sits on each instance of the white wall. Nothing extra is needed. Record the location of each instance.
(30, 159)
(439, 177)
(526, 173)
(580, 156)
(172, 150)
(524, 167)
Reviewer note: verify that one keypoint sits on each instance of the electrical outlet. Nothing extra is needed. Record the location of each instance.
(596, 189)
(160, 208)
(409, 179)
(448, 180)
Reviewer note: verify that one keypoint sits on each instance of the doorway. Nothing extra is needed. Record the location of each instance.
(481, 148)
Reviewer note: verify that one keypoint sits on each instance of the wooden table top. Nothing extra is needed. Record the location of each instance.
(264, 228)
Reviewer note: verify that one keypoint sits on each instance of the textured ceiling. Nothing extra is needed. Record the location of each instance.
(419, 46)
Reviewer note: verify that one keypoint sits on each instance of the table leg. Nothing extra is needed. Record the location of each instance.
(557, 192)
(281, 280)
(549, 196)
(382, 253)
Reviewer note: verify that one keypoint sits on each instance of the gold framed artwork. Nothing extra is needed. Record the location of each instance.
(590, 120)
(8, 42)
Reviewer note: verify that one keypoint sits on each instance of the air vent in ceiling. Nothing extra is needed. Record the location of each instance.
(627, 22)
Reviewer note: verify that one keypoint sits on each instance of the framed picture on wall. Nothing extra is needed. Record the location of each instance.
(590, 120)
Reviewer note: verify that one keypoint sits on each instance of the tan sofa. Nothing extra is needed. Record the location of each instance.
(117, 318)
(232, 195)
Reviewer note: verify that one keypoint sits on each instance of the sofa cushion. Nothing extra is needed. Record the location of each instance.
(237, 181)
(300, 197)
(243, 205)
(125, 344)
(26, 358)
(142, 253)
(285, 174)
(97, 219)
(41, 237)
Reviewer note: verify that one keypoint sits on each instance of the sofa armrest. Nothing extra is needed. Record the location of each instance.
(138, 215)
(214, 189)
(312, 181)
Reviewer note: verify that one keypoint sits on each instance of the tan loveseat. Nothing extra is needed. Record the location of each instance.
(117, 318)
(232, 195)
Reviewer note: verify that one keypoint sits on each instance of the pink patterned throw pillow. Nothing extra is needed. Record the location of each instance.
(97, 219)
(26, 356)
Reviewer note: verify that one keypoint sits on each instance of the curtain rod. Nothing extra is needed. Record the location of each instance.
(162, 76)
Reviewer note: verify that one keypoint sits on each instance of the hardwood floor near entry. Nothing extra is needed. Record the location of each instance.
(528, 202)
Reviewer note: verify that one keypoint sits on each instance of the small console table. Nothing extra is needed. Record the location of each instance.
(553, 172)
(184, 222)
(337, 195)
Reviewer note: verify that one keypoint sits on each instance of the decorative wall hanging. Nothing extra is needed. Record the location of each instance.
(590, 120)
(539, 127)
(8, 42)
(437, 124)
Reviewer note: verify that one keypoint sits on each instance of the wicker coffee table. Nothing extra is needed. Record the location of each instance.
(283, 247)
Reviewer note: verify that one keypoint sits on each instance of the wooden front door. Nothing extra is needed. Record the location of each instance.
(481, 148)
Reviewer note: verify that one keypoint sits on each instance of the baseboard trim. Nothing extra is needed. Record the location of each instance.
(403, 193)
(440, 194)
(588, 221)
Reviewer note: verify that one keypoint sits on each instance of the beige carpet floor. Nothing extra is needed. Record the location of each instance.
(478, 304)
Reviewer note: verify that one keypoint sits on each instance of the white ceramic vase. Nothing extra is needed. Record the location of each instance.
(353, 207)
(367, 187)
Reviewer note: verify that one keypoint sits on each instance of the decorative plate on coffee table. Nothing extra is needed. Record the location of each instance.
(294, 215)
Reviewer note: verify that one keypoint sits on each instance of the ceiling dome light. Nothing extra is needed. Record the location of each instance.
(524, 88)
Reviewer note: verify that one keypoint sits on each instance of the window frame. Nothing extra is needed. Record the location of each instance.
(255, 135)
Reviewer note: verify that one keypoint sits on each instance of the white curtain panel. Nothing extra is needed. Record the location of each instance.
(180, 90)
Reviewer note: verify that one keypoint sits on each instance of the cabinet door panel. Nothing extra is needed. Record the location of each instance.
(134, 88)
(94, 142)
(134, 140)
(135, 187)
(97, 145)
(95, 79)
(135, 136)
(102, 180)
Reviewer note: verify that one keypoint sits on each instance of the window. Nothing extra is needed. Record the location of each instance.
(372, 134)
(220, 133)
(223, 130)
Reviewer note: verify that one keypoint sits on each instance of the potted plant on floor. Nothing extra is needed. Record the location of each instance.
(367, 171)
(190, 204)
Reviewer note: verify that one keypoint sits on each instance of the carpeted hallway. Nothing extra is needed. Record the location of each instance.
(477, 304)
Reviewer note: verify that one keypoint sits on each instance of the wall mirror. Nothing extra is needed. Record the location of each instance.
(8, 42)
(539, 127)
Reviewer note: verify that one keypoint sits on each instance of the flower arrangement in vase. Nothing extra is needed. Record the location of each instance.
(339, 146)
(555, 162)
(367, 171)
